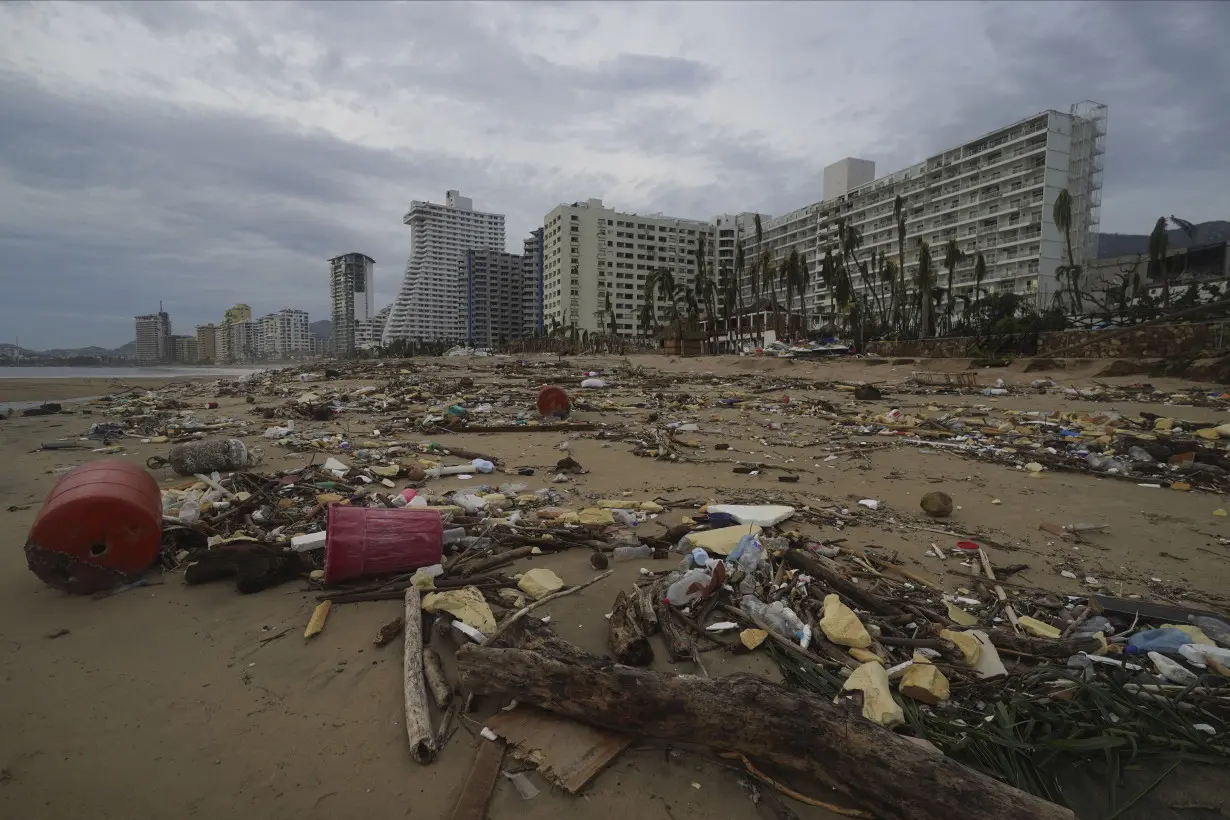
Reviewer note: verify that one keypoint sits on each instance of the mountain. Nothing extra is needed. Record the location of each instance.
(1124, 244)
(127, 351)
(322, 329)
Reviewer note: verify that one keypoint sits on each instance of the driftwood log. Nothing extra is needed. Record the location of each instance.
(418, 723)
(645, 611)
(625, 635)
(437, 683)
(882, 772)
(825, 569)
(678, 643)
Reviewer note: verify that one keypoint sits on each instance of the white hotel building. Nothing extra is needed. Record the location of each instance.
(590, 252)
(430, 304)
(994, 193)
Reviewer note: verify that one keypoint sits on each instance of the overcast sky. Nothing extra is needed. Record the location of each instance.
(205, 154)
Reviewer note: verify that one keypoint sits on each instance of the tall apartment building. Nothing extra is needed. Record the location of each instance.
(154, 338)
(531, 281)
(494, 290)
(430, 305)
(368, 334)
(350, 288)
(591, 252)
(994, 193)
(184, 350)
(283, 335)
(243, 340)
(207, 343)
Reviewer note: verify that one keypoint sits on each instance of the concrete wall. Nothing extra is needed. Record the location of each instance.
(1193, 340)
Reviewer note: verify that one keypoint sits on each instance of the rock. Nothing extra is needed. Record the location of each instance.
(841, 626)
(539, 583)
(867, 392)
(598, 560)
(878, 704)
(967, 643)
(1039, 629)
(923, 682)
(414, 472)
(936, 504)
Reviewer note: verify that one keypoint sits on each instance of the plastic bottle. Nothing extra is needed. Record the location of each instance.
(1216, 629)
(625, 517)
(221, 455)
(629, 553)
(1195, 653)
(452, 536)
(688, 588)
(1172, 671)
(1157, 640)
(1092, 626)
(189, 512)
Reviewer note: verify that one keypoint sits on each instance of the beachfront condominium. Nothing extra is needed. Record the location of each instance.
(207, 343)
(594, 256)
(993, 194)
(283, 335)
(154, 338)
(494, 283)
(429, 305)
(350, 289)
(531, 282)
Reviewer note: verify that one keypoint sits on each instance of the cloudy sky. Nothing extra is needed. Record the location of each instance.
(204, 154)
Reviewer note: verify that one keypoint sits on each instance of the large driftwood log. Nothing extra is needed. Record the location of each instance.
(645, 611)
(625, 636)
(418, 724)
(825, 569)
(883, 772)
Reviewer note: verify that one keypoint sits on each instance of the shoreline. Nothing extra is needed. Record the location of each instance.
(21, 393)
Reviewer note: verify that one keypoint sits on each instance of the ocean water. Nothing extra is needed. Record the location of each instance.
(123, 372)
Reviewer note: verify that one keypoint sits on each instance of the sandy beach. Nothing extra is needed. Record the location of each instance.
(164, 702)
(28, 390)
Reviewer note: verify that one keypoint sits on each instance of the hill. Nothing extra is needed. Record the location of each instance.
(322, 329)
(1125, 244)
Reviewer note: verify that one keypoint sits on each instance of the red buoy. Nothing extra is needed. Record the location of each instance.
(553, 401)
(100, 523)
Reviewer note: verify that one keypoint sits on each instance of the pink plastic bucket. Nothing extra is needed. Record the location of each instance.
(365, 541)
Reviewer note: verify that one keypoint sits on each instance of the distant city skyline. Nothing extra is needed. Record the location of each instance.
(187, 173)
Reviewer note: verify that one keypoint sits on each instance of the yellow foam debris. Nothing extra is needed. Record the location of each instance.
(841, 626)
(924, 682)
(1039, 629)
(878, 704)
(466, 605)
(864, 655)
(539, 583)
(594, 517)
(967, 643)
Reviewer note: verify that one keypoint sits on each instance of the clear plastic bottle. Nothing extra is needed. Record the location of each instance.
(1195, 654)
(629, 553)
(1216, 629)
(625, 517)
(189, 511)
(688, 588)
(1172, 671)
(1157, 640)
(452, 536)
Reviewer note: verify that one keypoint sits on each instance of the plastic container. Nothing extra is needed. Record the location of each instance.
(1216, 629)
(108, 515)
(1157, 640)
(630, 553)
(688, 588)
(553, 402)
(218, 455)
(370, 541)
(1195, 653)
(1173, 671)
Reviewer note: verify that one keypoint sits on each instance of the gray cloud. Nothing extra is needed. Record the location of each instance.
(205, 154)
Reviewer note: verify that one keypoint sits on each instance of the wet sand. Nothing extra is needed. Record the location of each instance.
(162, 701)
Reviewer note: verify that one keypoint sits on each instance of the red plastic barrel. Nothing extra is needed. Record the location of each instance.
(369, 541)
(107, 514)
(552, 401)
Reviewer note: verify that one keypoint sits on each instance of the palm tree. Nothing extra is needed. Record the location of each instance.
(899, 218)
(1158, 244)
(705, 287)
(924, 280)
(730, 299)
(980, 273)
(756, 264)
(740, 263)
(1070, 273)
(952, 258)
(802, 282)
(648, 314)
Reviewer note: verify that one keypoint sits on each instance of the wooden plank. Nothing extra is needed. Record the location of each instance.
(480, 783)
(567, 753)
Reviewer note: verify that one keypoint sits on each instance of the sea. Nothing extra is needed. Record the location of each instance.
(123, 373)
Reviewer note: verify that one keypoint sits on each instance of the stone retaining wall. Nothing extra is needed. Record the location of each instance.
(1192, 340)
